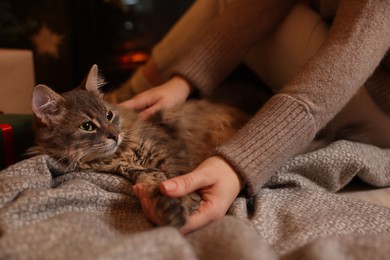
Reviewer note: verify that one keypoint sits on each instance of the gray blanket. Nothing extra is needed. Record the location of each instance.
(46, 213)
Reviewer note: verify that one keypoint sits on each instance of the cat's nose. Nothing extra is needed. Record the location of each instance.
(113, 136)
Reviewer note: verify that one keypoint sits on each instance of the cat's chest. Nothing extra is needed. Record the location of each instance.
(147, 154)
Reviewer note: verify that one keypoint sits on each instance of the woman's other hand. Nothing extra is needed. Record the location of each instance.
(173, 92)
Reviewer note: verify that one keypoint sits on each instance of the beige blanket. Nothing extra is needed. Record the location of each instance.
(46, 213)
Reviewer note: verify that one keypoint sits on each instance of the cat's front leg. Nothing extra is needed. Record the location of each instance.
(167, 210)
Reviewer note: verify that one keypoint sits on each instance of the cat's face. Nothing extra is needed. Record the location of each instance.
(77, 126)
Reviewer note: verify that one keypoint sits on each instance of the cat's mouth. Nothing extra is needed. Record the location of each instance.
(111, 146)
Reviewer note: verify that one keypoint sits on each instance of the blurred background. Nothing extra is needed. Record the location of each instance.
(68, 36)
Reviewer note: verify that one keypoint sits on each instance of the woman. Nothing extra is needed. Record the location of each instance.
(213, 37)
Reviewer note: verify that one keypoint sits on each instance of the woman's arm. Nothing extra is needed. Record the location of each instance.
(228, 39)
(221, 48)
(357, 41)
(289, 120)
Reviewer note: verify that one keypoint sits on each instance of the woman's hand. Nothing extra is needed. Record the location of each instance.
(174, 92)
(214, 180)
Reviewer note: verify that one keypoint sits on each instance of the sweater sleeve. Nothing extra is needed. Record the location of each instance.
(358, 40)
(228, 39)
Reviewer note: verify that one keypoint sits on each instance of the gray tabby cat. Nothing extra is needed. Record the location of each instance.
(82, 131)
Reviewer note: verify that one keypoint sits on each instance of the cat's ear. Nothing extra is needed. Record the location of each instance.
(45, 102)
(94, 81)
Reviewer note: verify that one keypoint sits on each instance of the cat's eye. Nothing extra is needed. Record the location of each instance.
(88, 126)
(109, 115)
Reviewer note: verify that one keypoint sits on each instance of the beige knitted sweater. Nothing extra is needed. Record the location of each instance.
(358, 40)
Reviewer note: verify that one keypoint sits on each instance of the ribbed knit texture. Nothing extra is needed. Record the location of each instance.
(269, 139)
(216, 55)
(357, 41)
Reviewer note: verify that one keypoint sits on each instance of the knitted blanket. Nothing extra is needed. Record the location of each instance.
(46, 213)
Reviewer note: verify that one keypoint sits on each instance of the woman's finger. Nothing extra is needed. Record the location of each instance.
(149, 111)
(133, 103)
(184, 184)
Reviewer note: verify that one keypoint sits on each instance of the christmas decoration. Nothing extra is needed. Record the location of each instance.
(47, 42)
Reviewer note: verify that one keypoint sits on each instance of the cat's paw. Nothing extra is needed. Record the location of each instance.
(174, 211)
(170, 212)
(191, 202)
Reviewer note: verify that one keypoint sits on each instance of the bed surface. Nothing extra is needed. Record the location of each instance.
(309, 210)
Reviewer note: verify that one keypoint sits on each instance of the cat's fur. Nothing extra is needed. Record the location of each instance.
(82, 131)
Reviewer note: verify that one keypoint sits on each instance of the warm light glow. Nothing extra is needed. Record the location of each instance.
(134, 57)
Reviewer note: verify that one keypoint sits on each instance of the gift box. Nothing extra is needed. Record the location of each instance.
(16, 136)
(17, 81)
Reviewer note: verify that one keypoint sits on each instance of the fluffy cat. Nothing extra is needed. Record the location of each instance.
(82, 131)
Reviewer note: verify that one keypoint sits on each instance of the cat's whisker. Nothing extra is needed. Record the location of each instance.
(68, 158)
(81, 153)
(64, 159)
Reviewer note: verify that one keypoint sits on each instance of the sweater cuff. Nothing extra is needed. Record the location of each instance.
(276, 133)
